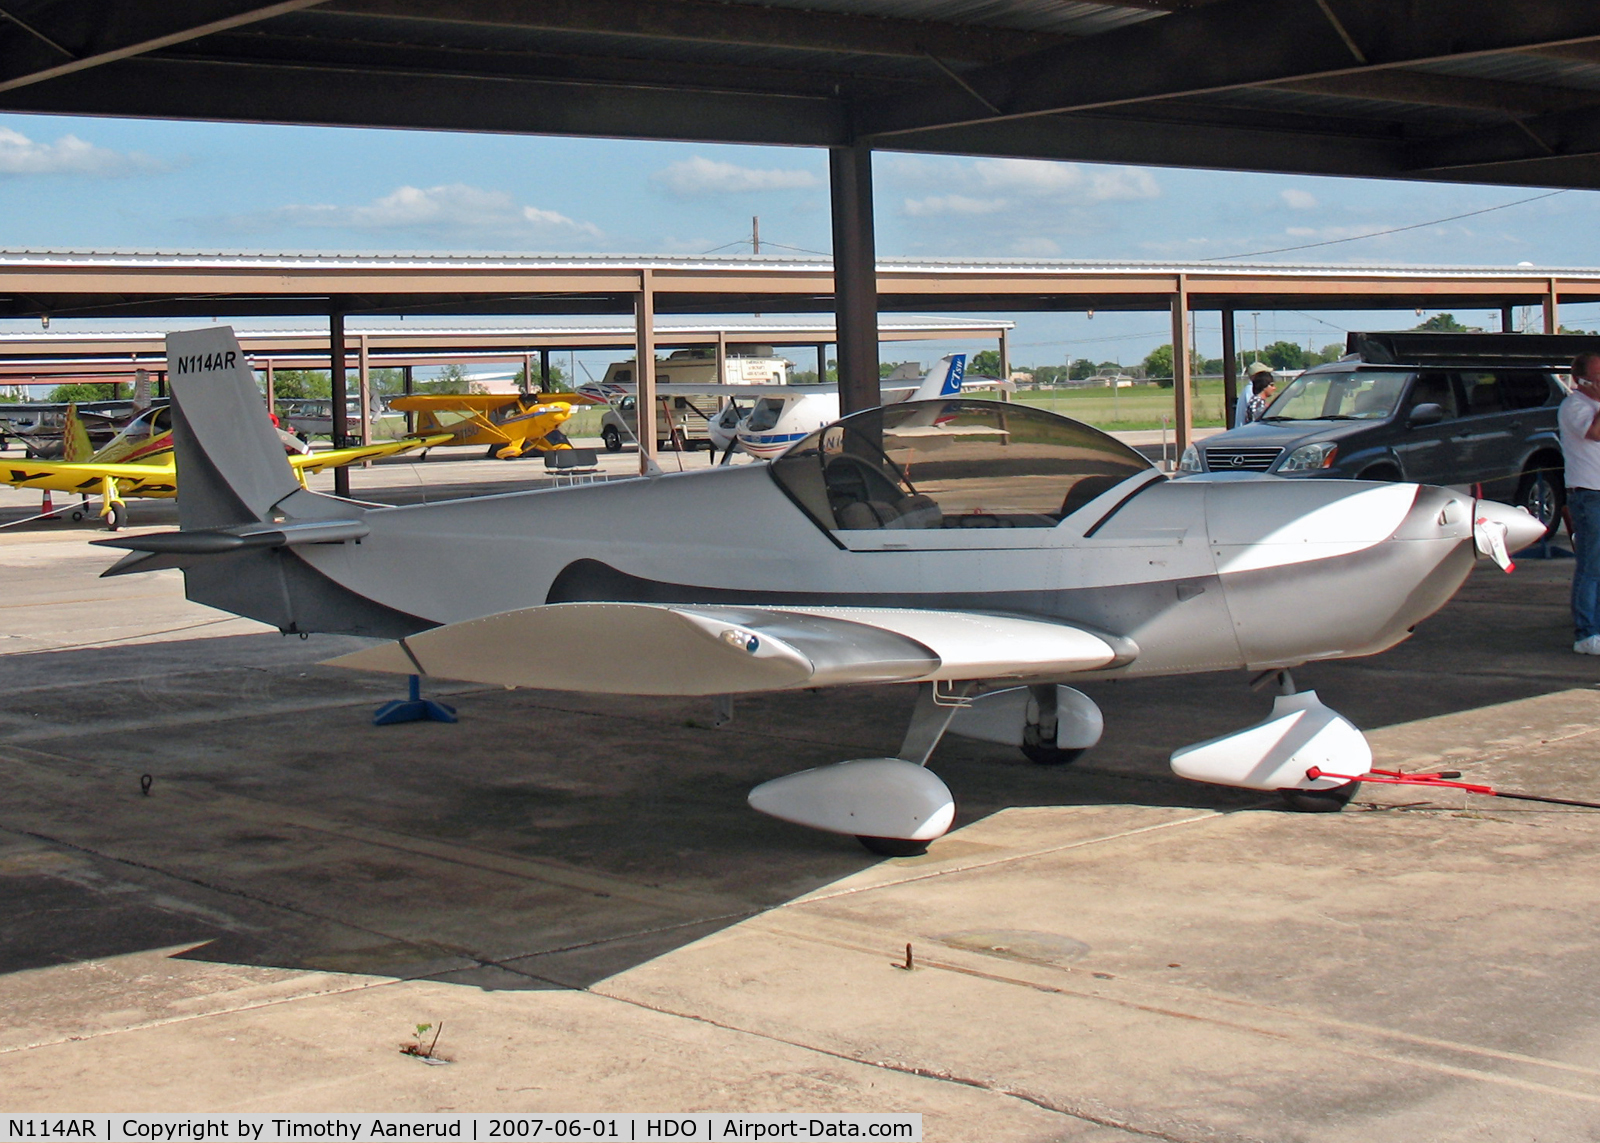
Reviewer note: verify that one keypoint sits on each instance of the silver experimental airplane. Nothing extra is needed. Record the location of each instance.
(986, 552)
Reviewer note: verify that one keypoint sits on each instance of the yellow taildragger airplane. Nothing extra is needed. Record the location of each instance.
(138, 461)
(510, 425)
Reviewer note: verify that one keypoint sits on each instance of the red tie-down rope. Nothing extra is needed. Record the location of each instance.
(1444, 780)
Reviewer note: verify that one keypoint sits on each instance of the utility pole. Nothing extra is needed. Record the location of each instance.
(755, 234)
(1255, 329)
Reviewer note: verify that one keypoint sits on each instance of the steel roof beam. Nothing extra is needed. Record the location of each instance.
(1432, 89)
(1560, 136)
(1226, 45)
(697, 21)
(38, 48)
(165, 88)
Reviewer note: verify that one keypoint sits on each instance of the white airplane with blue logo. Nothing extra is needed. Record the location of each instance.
(779, 418)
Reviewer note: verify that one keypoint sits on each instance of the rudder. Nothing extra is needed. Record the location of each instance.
(231, 466)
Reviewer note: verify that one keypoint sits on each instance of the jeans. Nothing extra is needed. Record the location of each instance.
(1584, 503)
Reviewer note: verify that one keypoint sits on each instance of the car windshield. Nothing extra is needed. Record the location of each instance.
(1358, 396)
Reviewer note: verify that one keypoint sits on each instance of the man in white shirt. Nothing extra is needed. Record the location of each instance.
(1250, 406)
(1580, 447)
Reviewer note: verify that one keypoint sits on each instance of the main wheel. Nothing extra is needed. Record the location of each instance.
(612, 438)
(1051, 755)
(118, 518)
(1329, 801)
(893, 846)
(1541, 496)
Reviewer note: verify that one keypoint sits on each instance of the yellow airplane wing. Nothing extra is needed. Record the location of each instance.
(339, 457)
(88, 479)
(481, 402)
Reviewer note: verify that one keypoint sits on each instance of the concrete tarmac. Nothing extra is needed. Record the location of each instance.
(572, 888)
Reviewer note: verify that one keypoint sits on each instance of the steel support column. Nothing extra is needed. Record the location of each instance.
(408, 386)
(644, 315)
(364, 377)
(1508, 319)
(1552, 308)
(272, 390)
(1005, 362)
(1230, 370)
(341, 419)
(855, 283)
(1182, 398)
(722, 357)
(544, 371)
(822, 364)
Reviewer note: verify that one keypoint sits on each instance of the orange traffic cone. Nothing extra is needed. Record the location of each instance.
(48, 507)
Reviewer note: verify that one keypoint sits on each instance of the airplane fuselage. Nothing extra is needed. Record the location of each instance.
(1199, 576)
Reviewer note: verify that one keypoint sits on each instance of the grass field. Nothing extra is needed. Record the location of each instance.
(1140, 407)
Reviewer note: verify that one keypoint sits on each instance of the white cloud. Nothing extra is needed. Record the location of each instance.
(453, 209)
(68, 155)
(700, 176)
(952, 204)
(1080, 184)
(1296, 199)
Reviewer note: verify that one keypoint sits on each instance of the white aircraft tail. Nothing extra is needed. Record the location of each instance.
(231, 465)
(944, 379)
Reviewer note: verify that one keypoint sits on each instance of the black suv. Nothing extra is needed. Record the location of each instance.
(1459, 409)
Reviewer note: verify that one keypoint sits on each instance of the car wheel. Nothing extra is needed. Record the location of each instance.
(612, 438)
(1540, 495)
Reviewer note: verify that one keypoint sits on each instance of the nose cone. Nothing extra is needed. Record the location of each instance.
(1500, 528)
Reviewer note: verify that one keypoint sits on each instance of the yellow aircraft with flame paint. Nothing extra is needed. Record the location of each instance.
(511, 425)
(138, 461)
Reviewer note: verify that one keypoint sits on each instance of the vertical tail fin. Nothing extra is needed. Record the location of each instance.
(231, 466)
(75, 446)
(944, 379)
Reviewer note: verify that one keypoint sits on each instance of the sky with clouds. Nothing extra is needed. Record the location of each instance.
(104, 183)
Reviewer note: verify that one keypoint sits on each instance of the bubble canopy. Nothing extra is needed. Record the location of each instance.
(960, 463)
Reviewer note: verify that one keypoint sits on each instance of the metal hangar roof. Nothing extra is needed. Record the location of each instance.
(1462, 90)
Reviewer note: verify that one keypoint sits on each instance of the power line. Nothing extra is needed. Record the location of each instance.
(1381, 233)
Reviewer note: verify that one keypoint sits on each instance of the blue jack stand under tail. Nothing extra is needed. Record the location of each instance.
(413, 709)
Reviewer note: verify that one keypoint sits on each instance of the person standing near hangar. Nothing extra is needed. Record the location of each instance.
(1580, 448)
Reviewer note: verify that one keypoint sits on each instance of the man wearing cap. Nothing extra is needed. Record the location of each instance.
(1579, 417)
(1254, 400)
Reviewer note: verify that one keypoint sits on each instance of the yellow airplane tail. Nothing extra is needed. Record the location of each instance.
(75, 446)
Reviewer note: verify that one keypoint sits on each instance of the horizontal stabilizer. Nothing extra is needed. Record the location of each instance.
(215, 541)
(640, 648)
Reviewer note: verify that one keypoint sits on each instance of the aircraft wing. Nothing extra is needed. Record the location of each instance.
(690, 649)
(611, 390)
(476, 402)
(340, 457)
(158, 479)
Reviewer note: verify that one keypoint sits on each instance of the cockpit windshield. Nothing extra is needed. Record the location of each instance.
(1345, 396)
(959, 463)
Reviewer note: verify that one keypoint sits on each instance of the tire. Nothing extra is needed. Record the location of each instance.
(612, 438)
(118, 519)
(77, 515)
(893, 846)
(1320, 801)
(1051, 755)
(1542, 496)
